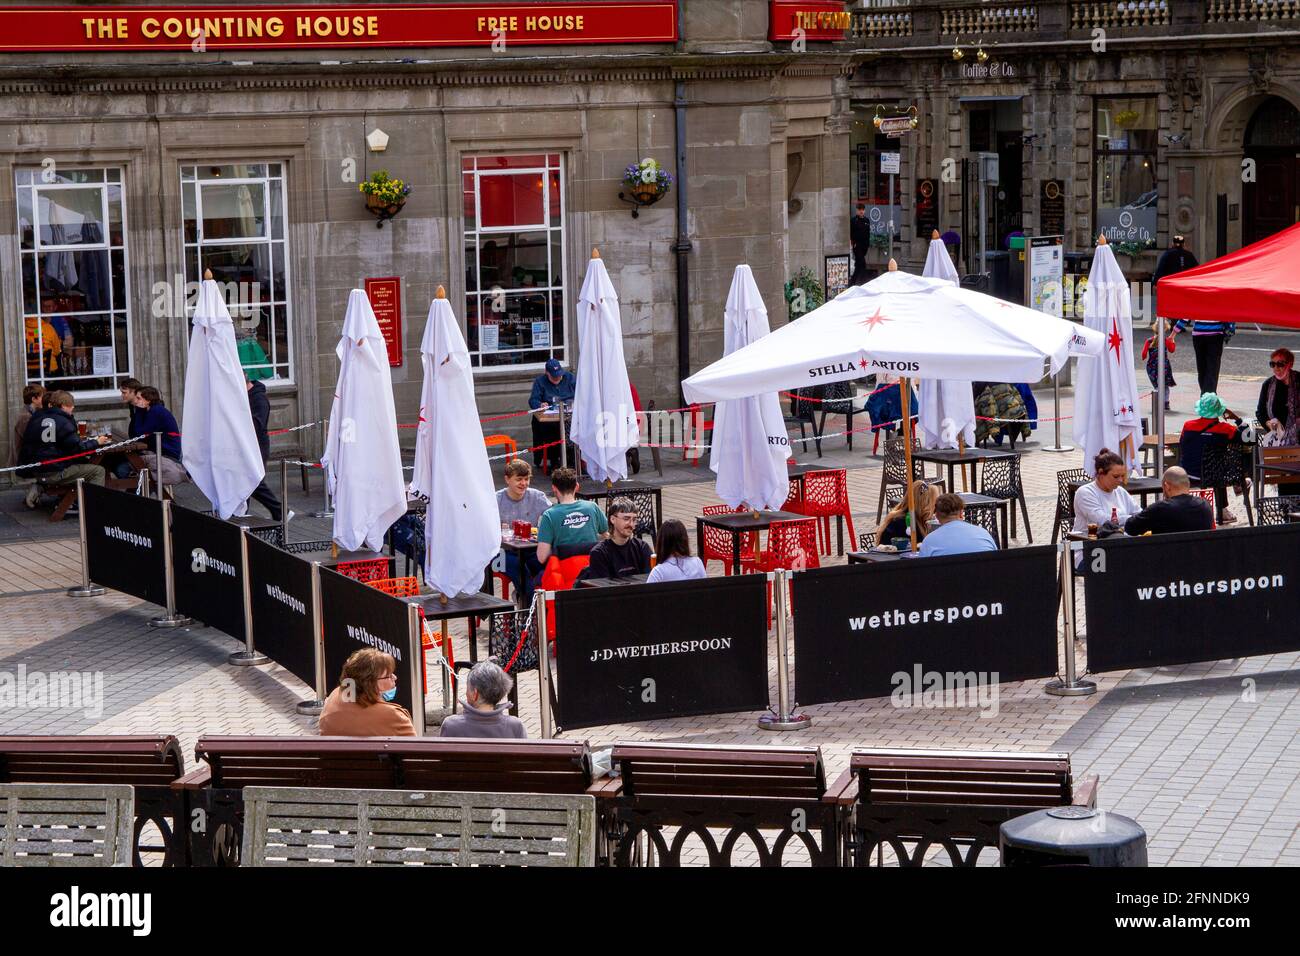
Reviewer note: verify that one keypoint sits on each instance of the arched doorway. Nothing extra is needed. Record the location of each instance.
(1272, 201)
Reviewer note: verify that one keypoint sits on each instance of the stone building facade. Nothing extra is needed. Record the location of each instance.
(124, 169)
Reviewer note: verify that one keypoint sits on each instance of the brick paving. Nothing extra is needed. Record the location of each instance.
(1212, 777)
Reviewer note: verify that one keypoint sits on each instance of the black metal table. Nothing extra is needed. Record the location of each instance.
(878, 557)
(953, 458)
(737, 523)
(613, 582)
(473, 605)
(1002, 504)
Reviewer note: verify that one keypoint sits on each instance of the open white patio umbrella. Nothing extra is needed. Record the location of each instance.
(1106, 403)
(947, 414)
(904, 324)
(604, 418)
(362, 460)
(462, 531)
(220, 451)
(750, 446)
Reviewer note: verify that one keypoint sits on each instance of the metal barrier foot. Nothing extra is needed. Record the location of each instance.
(784, 722)
(171, 620)
(85, 590)
(248, 659)
(1077, 688)
(309, 708)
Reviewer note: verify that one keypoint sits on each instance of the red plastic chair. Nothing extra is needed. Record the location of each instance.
(503, 441)
(1208, 495)
(716, 545)
(791, 545)
(560, 575)
(826, 495)
(698, 428)
(794, 498)
(365, 571)
(410, 587)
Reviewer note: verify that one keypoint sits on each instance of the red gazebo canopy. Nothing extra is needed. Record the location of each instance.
(1257, 283)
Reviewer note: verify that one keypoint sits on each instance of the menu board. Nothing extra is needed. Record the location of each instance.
(385, 297)
(1045, 266)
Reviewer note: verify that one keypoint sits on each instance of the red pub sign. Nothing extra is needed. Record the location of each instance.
(807, 19)
(301, 26)
(385, 297)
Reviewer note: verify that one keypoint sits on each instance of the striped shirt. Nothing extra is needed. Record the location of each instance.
(1207, 328)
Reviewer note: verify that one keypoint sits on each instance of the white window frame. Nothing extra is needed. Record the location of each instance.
(35, 187)
(560, 225)
(283, 300)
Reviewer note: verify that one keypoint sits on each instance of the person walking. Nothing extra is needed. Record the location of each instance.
(260, 407)
(860, 240)
(1208, 338)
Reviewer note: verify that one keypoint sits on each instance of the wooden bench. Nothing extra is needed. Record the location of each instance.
(911, 801)
(66, 824)
(148, 764)
(293, 826)
(698, 787)
(369, 763)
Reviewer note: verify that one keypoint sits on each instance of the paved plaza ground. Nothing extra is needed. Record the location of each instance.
(1204, 756)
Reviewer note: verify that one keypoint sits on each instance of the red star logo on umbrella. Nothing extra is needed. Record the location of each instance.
(863, 363)
(1114, 340)
(872, 321)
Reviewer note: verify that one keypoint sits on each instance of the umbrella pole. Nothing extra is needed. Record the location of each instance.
(905, 386)
(961, 450)
(1162, 395)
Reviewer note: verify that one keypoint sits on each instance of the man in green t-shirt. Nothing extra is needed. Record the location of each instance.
(569, 523)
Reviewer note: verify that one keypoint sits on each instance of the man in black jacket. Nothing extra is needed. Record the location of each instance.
(52, 434)
(620, 555)
(260, 406)
(1179, 511)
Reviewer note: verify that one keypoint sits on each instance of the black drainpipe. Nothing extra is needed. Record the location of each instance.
(683, 244)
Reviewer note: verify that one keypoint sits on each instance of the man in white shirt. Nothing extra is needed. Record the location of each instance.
(1105, 498)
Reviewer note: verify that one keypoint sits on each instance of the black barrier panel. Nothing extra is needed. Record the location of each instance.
(125, 543)
(1181, 598)
(354, 616)
(650, 651)
(208, 571)
(871, 630)
(282, 620)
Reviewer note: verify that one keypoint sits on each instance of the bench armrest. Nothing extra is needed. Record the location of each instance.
(1085, 792)
(606, 788)
(194, 780)
(844, 791)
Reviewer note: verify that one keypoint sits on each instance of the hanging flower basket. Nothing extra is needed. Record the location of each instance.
(385, 196)
(647, 183)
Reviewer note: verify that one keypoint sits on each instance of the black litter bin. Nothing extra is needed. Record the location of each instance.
(1072, 836)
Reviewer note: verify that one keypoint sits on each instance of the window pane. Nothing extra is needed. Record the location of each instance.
(73, 176)
(467, 188)
(1127, 123)
(121, 342)
(557, 323)
(273, 169)
(555, 198)
(275, 291)
(26, 225)
(557, 259)
(29, 284)
(80, 279)
(471, 323)
(187, 173)
(513, 200)
(189, 214)
(252, 338)
(471, 267)
(114, 175)
(70, 216)
(116, 236)
(117, 258)
(553, 160)
(514, 260)
(1127, 197)
(23, 177)
(277, 209)
(243, 263)
(281, 326)
(510, 162)
(240, 171)
(234, 212)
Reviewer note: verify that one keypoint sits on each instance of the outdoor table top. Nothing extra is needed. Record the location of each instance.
(1135, 486)
(798, 471)
(1293, 517)
(613, 582)
(1287, 468)
(944, 456)
(746, 521)
(346, 556)
(1150, 440)
(517, 545)
(415, 505)
(971, 498)
(879, 557)
(253, 522)
(476, 604)
(551, 414)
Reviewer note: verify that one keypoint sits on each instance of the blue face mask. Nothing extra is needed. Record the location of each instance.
(390, 694)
